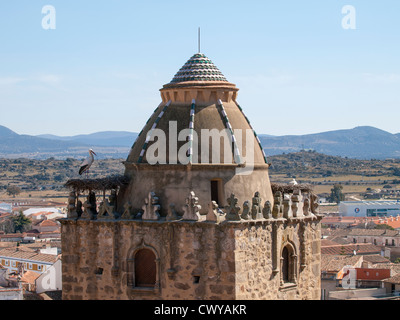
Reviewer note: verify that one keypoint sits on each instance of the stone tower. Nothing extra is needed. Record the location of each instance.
(195, 215)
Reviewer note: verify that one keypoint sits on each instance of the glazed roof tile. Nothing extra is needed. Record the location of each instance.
(198, 68)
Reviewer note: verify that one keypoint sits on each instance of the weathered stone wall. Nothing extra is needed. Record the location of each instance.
(184, 249)
(234, 260)
(258, 256)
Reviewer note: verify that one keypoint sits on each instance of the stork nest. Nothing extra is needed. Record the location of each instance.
(109, 183)
(289, 188)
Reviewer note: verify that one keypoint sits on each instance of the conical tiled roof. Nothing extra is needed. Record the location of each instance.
(198, 68)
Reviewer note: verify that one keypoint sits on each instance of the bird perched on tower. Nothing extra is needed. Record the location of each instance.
(87, 162)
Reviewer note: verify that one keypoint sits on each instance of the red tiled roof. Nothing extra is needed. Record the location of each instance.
(394, 222)
(360, 248)
(27, 255)
(375, 259)
(30, 276)
(335, 263)
(48, 223)
(33, 233)
(373, 232)
(395, 279)
(12, 235)
(327, 243)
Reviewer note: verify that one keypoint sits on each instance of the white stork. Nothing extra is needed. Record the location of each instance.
(87, 163)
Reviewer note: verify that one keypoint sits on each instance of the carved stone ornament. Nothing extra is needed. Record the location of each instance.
(256, 211)
(287, 207)
(192, 209)
(88, 213)
(215, 213)
(89, 207)
(127, 214)
(106, 210)
(314, 204)
(232, 210)
(297, 203)
(277, 211)
(246, 211)
(267, 212)
(306, 207)
(72, 214)
(212, 213)
(151, 207)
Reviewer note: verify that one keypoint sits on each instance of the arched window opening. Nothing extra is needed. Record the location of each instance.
(288, 265)
(145, 268)
(285, 265)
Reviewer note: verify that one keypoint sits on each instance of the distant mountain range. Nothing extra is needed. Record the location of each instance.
(103, 138)
(108, 144)
(360, 143)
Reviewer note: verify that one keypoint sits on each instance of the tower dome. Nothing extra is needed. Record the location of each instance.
(198, 139)
(199, 98)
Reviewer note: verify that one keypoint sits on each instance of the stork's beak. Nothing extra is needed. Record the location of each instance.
(93, 152)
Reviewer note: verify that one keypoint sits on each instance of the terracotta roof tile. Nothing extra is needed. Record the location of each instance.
(373, 232)
(376, 258)
(335, 263)
(30, 276)
(395, 279)
(28, 255)
(48, 223)
(347, 249)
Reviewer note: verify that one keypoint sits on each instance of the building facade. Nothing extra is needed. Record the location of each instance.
(14, 259)
(369, 208)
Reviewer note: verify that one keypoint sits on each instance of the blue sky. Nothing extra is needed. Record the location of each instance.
(298, 70)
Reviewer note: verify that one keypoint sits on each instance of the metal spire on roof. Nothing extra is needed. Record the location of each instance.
(199, 39)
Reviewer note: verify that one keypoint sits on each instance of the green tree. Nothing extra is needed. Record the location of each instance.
(337, 194)
(13, 191)
(21, 222)
(396, 172)
(384, 226)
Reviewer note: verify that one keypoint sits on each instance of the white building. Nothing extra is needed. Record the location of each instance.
(7, 207)
(45, 211)
(378, 208)
(14, 258)
(11, 294)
